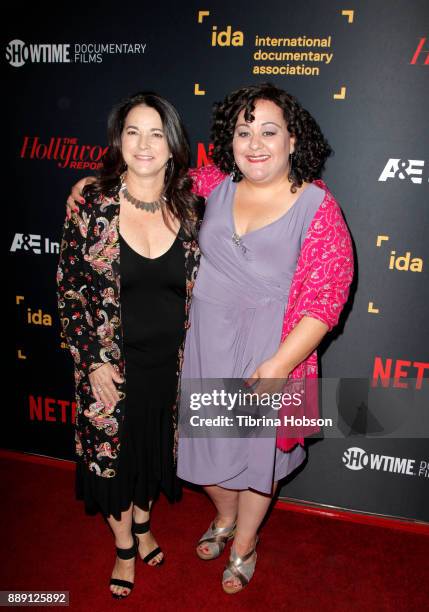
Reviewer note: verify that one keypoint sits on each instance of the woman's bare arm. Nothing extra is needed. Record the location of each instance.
(75, 197)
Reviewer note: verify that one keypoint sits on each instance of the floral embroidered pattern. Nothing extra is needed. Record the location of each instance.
(320, 288)
(88, 282)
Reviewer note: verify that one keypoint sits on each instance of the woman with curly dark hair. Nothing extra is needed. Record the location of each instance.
(127, 266)
(274, 274)
(275, 270)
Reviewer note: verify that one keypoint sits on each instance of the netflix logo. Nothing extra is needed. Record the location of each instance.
(398, 373)
(204, 154)
(51, 410)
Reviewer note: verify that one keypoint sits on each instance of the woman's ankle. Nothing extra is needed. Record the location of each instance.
(124, 541)
(243, 545)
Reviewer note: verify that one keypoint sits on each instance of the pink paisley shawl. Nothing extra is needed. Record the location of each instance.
(319, 289)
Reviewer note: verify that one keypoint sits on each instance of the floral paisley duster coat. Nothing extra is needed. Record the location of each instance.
(88, 281)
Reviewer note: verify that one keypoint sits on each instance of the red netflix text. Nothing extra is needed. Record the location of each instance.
(394, 373)
(204, 155)
(51, 410)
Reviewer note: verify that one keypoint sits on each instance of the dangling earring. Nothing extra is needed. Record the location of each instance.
(235, 174)
(291, 158)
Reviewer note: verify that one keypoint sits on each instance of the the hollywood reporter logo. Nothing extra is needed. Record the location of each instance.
(67, 152)
(422, 51)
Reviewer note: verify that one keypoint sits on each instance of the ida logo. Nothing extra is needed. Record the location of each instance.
(405, 263)
(227, 38)
(402, 169)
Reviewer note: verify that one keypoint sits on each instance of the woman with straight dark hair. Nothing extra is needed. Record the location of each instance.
(127, 266)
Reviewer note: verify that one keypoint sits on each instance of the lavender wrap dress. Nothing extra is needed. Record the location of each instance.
(236, 320)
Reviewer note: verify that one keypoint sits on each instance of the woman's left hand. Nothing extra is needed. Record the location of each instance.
(270, 377)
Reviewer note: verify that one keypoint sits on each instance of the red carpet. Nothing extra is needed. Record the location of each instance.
(305, 562)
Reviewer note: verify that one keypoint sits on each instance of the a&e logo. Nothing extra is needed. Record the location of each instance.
(403, 169)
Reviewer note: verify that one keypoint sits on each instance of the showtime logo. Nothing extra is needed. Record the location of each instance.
(355, 458)
(18, 53)
(410, 169)
(67, 152)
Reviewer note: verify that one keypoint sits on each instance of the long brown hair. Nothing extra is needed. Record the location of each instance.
(181, 202)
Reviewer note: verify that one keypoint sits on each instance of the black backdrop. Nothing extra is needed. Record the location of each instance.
(368, 91)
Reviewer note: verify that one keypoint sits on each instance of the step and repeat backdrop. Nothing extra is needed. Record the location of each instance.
(361, 68)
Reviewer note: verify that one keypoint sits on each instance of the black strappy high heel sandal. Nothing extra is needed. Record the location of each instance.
(125, 554)
(139, 528)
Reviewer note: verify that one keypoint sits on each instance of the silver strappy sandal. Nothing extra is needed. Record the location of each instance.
(238, 568)
(216, 539)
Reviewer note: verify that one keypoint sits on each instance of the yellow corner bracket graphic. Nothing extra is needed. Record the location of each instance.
(201, 15)
(21, 354)
(19, 299)
(380, 239)
(198, 91)
(350, 14)
(341, 95)
(372, 309)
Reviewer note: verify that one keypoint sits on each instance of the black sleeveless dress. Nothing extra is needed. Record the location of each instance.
(152, 311)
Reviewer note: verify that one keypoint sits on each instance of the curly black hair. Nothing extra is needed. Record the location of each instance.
(311, 147)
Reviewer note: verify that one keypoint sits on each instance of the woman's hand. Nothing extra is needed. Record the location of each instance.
(270, 377)
(75, 197)
(103, 386)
